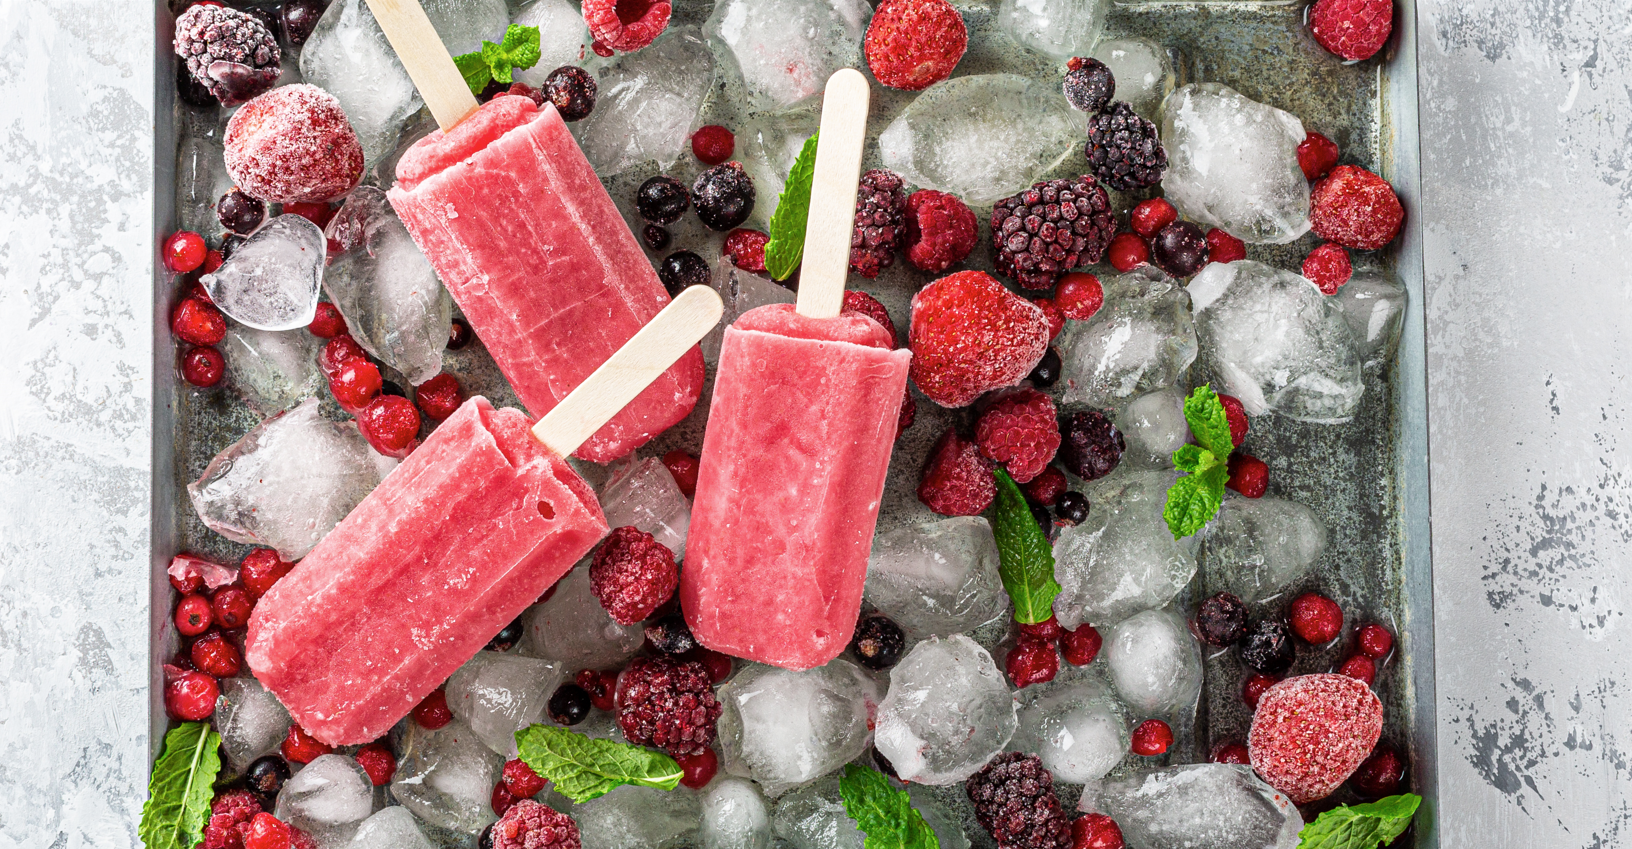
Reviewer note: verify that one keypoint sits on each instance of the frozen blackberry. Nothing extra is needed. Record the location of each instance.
(1014, 800)
(1180, 249)
(671, 635)
(266, 776)
(239, 212)
(1090, 446)
(1267, 647)
(1123, 149)
(683, 269)
(300, 18)
(1072, 507)
(668, 703)
(507, 637)
(569, 704)
(1222, 620)
(190, 91)
(1089, 84)
(881, 222)
(572, 90)
(232, 53)
(1051, 228)
(878, 642)
(1047, 370)
(724, 196)
(655, 237)
(662, 199)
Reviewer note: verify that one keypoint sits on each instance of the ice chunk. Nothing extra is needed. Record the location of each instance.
(391, 828)
(983, 137)
(1233, 163)
(786, 49)
(573, 628)
(1155, 662)
(1271, 339)
(563, 39)
(1141, 340)
(741, 291)
(735, 815)
(1153, 426)
(1123, 559)
(647, 103)
(288, 482)
(643, 494)
(1143, 70)
(272, 370)
(446, 777)
(327, 799)
(784, 728)
(1256, 547)
(270, 282)
(947, 713)
(813, 817)
(940, 578)
(944, 821)
(251, 721)
(201, 174)
(1374, 304)
(1217, 806)
(1076, 727)
(633, 817)
(498, 694)
(768, 145)
(1059, 28)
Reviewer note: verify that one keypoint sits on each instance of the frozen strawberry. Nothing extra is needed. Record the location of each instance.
(626, 25)
(970, 335)
(1328, 267)
(914, 44)
(1352, 29)
(293, 144)
(1356, 209)
(1021, 432)
(958, 481)
(1317, 156)
(941, 231)
(1310, 733)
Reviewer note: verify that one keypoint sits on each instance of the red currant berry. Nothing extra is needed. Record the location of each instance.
(376, 760)
(1082, 645)
(232, 606)
(1152, 737)
(212, 264)
(212, 653)
(1150, 217)
(1051, 313)
(184, 252)
(1231, 752)
(520, 779)
(1254, 688)
(1380, 775)
(1375, 641)
(198, 322)
(1096, 831)
(602, 687)
(260, 569)
(439, 397)
(1359, 667)
(1128, 251)
(699, 769)
(338, 353)
(1317, 156)
(203, 366)
(328, 323)
(502, 798)
(390, 423)
(356, 385)
(187, 582)
(432, 712)
(1316, 618)
(193, 615)
(684, 468)
(316, 212)
(1236, 415)
(1222, 247)
(1032, 661)
(266, 832)
(302, 748)
(1079, 295)
(1248, 475)
(191, 696)
(1047, 630)
(713, 144)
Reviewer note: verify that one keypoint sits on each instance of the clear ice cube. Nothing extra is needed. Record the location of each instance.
(1233, 164)
(1059, 28)
(939, 578)
(251, 721)
(1216, 806)
(288, 482)
(1256, 547)
(1076, 726)
(446, 777)
(391, 828)
(947, 713)
(574, 629)
(563, 39)
(944, 821)
(1141, 340)
(982, 137)
(784, 728)
(498, 694)
(327, 799)
(1122, 559)
(647, 103)
(643, 494)
(1153, 426)
(633, 817)
(786, 49)
(813, 817)
(1155, 663)
(1374, 303)
(271, 280)
(1271, 339)
(1143, 70)
(272, 370)
(201, 172)
(741, 291)
(735, 815)
(768, 145)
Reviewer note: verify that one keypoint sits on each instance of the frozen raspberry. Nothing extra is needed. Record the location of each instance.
(699, 769)
(378, 762)
(439, 397)
(1222, 247)
(1051, 228)
(1310, 733)
(572, 90)
(1360, 668)
(1380, 775)
(1222, 620)
(520, 779)
(184, 252)
(626, 25)
(856, 300)
(719, 665)
(191, 695)
(1090, 446)
(914, 44)
(1328, 267)
(941, 231)
(1356, 209)
(1127, 252)
(632, 575)
(230, 607)
(265, 831)
(213, 654)
(1021, 432)
(1152, 737)
(1031, 661)
(1089, 84)
(746, 249)
(1149, 217)
(230, 813)
(958, 481)
(1236, 415)
(356, 385)
(300, 747)
(1046, 488)
(1096, 831)
(1316, 618)
(232, 53)
(1231, 752)
(530, 825)
(1081, 646)
(1317, 156)
(301, 840)
(1255, 686)
(1014, 800)
(1079, 295)
(881, 221)
(909, 414)
(198, 322)
(328, 323)
(1248, 475)
(667, 703)
(1056, 318)
(1375, 641)
(1267, 647)
(683, 467)
(1123, 149)
(713, 144)
(390, 423)
(1352, 29)
(432, 711)
(293, 144)
(970, 335)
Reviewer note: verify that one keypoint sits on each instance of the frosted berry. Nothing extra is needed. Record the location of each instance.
(1328, 267)
(878, 642)
(941, 230)
(1255, 686)
(1149, 217)
(230, 813)
(184, 252)
(213, 654)
(1089, 84)
(572, 90)
(1360, 668)
(356, 385)
(568, 705)
(1056, 319)
(719, 665)
(1046, 488)
(439, 397)
(1316, 618)
(1310, 733)
(1352, 29)
(856, 300)
(239, 212)
(300, 18)
(681, 270)
(662, 199)
(501, 799)
(1222, 620)
(1020, 432)
(266, 832)
(1222, 247)
(1047, 630)
(1267, 647)
(1248, 475)
(626, 25)
(670, 634)
(530, 825)
(713, 144)
(1152, 737)
(970, 335)
(1180, 249)
(1079, 295)
(191, 696)
(632, 575)
(880, 221)
(1356, 209)
(667, 703)
(1381, 774)
(293, 143)
(1375, 641)
(958, 481)
(300, 747)
(459, 334)
(266, 775)
(1081, 646)
(328, 323)
(506, 638)
(193, 615)
(1236, 415)
(317, 212)
(198, 322)
(914, 44)
(390, 423)
(684, 468)
(232, 53)
(699, 769)
(230, 606)
(1031, 661)
(654, 236)
(724, 196)
(746, 249)
(1014, 800)
(1127, 252)
(432, 711)
(520, 779)
(1073, 508)
(1090, 446)
(1051, 228)
(1096, 831)
(1124, 150)
(1230, 752)
(1317, 156)
(337, 353)
(378, 762)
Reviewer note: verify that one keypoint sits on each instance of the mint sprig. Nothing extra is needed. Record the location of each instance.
(786, 248)
(1025, 558)
(584, 768)
(1361, 826)
(1193, 500)
(518, 50)
(178, 794)
(884, 814)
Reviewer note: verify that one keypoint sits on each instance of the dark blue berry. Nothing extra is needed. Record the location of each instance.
(662, 199)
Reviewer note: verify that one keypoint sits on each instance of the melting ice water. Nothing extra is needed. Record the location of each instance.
(633, 817)
(446, 777)
(272, 370)
(1256, 547)
(573, 628)
(498, 694)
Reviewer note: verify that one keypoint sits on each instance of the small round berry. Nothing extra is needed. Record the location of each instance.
(302, 748)
(1127, 252)
(1236, 415)
(1254, 687)
(229, 243)
(1045, 522)
(390, 423)
(520, 779)
(432, 711)
(1317, 156)
(184, 251)
(1046, 488)
(1079, 295)
(1222, 247)
(439, 397)
(1047, 371)
(662, 199)
(655, 237)
(878, 642)
(671, 635)
(1149, 217)
(684, 468)
(193, 615)
(1090, 445)
(1048, 630)
(1375, 641)
(1152, 737)
(1316, 618)
(459, 334)
(187, 582)
(1052, 314)
(682, 270)
(507, 637)
(724, 196)
(1382, 774)
(300, 18)
(198, 322)
(601, 686)
(569, 704)
(746, 249)
(239, 212)
(191, 696)
(1248, 475)
(719, 665)
(1328, 267)
(1081, 646)
(203, 366)
(699, 769)
(212, 653)
(1072, 507)
(212, 263)
(1268, 647)
(328, 323)
(1089, 85)
(1222, 620)
(338, 353)
(502, 799)
(266, 832)
(1180, 249)
(231, 606)
(1360, 668)
(1231, 752)
(713, 144)
(1031, 661)
(1096, 831)
(572, 89)
(357, 385)
(378, 762)
(266, 775)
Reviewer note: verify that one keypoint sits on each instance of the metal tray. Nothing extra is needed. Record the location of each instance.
(1378, 554)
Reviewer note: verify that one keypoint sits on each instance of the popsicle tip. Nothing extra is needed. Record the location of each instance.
(702, 302)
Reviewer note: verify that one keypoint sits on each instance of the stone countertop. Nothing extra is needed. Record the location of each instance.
(1527, 119)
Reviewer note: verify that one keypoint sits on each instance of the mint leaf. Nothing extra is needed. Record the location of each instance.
(882, 812)
(787, 245)
(1361, 826)
(178, 794)
(518, 49)
(1193, 500)
(1194, 459)
(1025, 559)
(1205, 414)
(521, 45)
(475, 70)
(584, 768)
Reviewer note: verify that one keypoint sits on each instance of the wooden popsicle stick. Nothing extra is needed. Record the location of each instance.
(833, 195)
(421, 51)
(650, 352)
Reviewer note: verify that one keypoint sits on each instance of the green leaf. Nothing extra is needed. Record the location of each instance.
(521, 44)
(584, 768)
(1205, 413)
(787, 245)
(1025, 559)
(498, 61)
(1193, 500)
(178, 794)
(882, 812)
(518, 49)
(1194, 459)
(1361, 826)
(475, 70)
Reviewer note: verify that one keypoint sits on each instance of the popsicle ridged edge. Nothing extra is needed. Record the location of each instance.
(426, 59)
(833, 195)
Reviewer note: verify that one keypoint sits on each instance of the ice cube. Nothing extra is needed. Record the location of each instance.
(327, 799)
(633, 817)
(1218, 806)
(1271, 339)
(271, 280)
(573, 628)
(391, 828)
(1155, 662)
(944, 821)
(784, 728)
(1141, 340)
(1256, 547)
(735, 815)
(1077, 727)
(1123, 559)
(813, 817)
(647, 103)
(288, 481)
(1143, 70)
(1059, 28)
(498, 694)
(786, 49)
(1374, 303)
(643, 494)
(201, 174)
(562, 38)
(940, 578)
(251, 721)
(982, 137)
(768, 145)
(446, 777)
(393, 302)
(1233, 163)
(272, 370)
(741, 291)
(947, 713)
(1153, 426)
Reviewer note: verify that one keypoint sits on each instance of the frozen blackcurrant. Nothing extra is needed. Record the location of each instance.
(569, 704)
(1090, 446)
(266, 775)
(507, 637)
(1180, 249)
(1047, 370)
(1268, 647)
(1072, 507)
(662, 199)
(671, 635)
(1222, 619)
(655, 237)
(572, 90)
(724, 196)
(681, 270)
(239, 212)
(878, 642)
